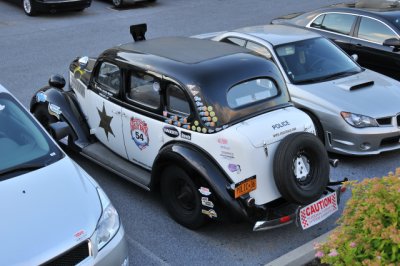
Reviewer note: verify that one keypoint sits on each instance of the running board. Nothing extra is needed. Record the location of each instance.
(104, 157)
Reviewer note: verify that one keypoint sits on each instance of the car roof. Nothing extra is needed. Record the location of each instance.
(278, 34)
(182, 49)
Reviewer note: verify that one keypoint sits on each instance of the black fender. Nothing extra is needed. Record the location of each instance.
(196, 161)
(69, 111)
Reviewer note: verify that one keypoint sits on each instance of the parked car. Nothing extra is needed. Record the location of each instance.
(370, 29)
(121, 3)
(33, 7)
(354, 110)
(188, 117)
(53, 212)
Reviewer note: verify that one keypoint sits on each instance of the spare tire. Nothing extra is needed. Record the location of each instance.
(301, 168)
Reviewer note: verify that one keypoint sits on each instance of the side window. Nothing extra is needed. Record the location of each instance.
(177, 101)
(109, 76)
(340, 23)
(375, 31)
(233, 40)
(317, 23)
(144, 89)
(251, 91)
(258, 49)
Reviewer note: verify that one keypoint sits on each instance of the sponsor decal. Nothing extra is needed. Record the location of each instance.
(280, 125)
(234, 168)
(41, 97)
(54, 110)
(171, 131)
(105, 121)
(139, 133)
(222, 141)
(210, 213)
(206, 202)
(204, 191)
(79, 235)
(186, 135)
(318, 211)
(227, 155)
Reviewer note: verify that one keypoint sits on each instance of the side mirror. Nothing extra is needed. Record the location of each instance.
(392, 42)
(57, 81)
(354, 57)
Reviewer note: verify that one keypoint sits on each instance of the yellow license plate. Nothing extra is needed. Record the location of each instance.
(245, 186)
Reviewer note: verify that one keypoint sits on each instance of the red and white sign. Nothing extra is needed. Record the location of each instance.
(318, 211)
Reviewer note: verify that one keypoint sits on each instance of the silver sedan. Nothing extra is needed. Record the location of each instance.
(355, 110)
(52, 211)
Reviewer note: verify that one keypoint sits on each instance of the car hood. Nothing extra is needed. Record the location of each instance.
(366, 93)
(46, 212)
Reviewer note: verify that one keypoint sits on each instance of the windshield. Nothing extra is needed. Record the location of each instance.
(23, 144)
(314, 60)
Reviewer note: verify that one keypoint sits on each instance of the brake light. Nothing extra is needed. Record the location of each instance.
(284, 219)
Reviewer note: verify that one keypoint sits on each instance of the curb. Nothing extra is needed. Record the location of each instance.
(301, 255)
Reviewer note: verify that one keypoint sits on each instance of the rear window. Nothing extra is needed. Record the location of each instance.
(251, 91)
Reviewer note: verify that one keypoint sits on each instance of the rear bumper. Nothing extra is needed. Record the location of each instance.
(290, 216)
(54, 5)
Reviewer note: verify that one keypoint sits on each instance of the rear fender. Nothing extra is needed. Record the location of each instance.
(63, 105)
(213, 182)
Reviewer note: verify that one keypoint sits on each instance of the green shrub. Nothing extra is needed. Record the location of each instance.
(369, 229)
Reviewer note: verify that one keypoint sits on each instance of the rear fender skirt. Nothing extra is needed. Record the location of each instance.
(69, 111)
(197, 162)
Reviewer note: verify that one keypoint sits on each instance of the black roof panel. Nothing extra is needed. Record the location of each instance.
(183, 49)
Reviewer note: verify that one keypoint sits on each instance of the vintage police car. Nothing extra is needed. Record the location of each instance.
(209, 124)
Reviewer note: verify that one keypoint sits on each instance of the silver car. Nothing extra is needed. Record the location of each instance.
(52, 211)
(355, 110)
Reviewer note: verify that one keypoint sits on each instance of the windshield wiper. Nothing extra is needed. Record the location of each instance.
(329, 77)
(22, 167)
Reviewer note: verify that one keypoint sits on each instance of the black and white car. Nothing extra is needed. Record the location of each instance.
(209, 124)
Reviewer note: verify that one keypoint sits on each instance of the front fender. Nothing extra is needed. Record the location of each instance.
(65, 107)
(196, 161)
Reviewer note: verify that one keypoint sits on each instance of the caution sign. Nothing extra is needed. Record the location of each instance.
(318, 211)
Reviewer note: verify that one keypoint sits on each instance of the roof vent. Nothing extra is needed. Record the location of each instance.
(138, 32)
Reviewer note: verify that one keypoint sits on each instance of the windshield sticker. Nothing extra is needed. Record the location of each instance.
(204, 191)
(41, 97)
(234, 168)
(105, 121)
(139, 133)
(206, 202)
(156, 86)
(171, 131)
(193, 89)
(2, 107)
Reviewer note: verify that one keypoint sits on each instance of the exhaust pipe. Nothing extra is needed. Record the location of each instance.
(334, 162)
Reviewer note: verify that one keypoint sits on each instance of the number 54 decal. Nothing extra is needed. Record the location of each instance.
(139, 133)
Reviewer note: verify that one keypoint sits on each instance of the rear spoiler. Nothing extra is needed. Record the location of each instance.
(138, 32)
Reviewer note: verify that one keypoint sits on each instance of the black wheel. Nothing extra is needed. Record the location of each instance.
(41, 113)
(118, 3)
(301, 168)
(29, 7)
(181, 197)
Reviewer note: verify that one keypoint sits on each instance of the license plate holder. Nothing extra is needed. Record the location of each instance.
(245, 186)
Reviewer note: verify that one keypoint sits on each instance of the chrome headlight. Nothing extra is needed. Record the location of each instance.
(359, 121)
(108, 224)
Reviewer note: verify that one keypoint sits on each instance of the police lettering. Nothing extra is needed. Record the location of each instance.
(281, 124)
